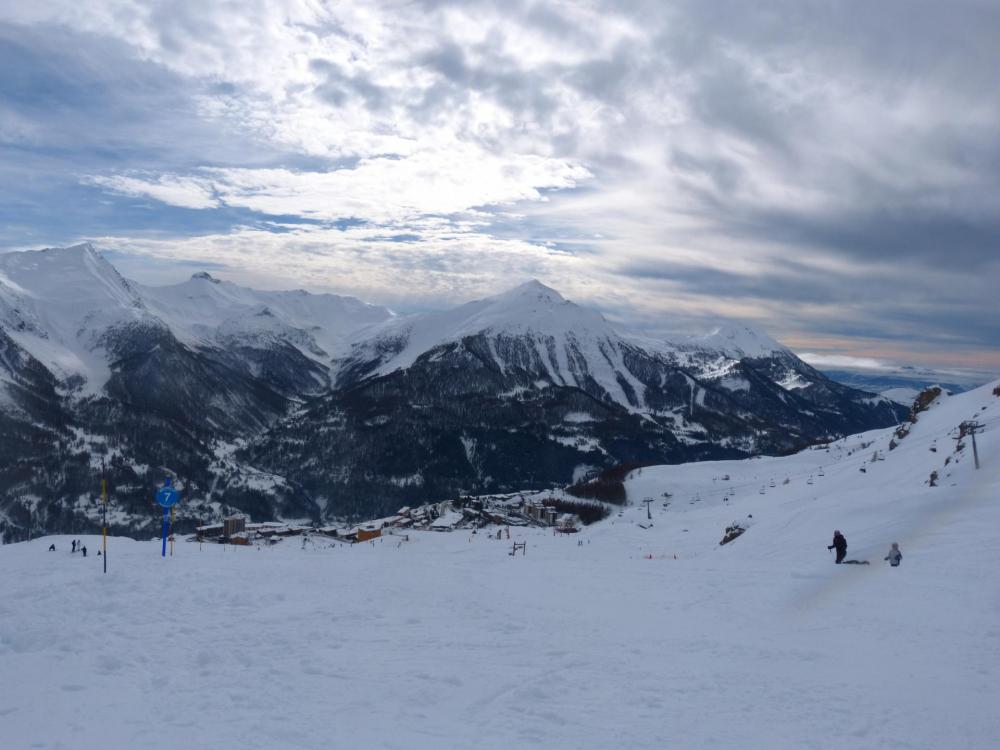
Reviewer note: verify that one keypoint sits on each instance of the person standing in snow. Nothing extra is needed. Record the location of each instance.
(839, 544)
(895, 556)
(74, 546)
(84, 550)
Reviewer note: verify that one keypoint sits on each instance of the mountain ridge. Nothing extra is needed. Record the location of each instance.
(351, 407)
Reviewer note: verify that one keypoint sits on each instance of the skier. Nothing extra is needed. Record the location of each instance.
(840, 544)
(894, 555)
(84, 549)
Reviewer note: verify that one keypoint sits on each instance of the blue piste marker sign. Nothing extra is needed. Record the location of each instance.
(167, 497)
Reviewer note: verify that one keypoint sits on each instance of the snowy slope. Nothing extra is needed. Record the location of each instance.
(903, 396)
(872, 492)
(735, 341)
(731, 341)
(620, 636)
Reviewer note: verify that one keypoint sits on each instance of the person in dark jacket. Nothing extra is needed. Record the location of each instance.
(74, 546)
(84, 549)
(839, 544)
(895, 556)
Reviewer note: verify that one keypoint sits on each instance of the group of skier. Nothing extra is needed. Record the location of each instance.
(76, 546)
(840, 545)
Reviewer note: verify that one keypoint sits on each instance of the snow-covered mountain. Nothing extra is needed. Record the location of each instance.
(528, 388)
(531, 326)
(317, 405)
(220, 312)
(65, 306)
(71, 310)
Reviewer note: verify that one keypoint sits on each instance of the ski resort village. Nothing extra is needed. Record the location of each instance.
(465, 514)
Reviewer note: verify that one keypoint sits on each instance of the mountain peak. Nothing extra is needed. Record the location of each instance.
(535, 290)
(81, 247)
(51, 267)
(739, 338)
(205, 276)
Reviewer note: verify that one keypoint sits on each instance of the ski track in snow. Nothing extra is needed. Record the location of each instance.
(638, 638)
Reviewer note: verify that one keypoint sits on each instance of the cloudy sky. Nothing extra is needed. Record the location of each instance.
(828, 171)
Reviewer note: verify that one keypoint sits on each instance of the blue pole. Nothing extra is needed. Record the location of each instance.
(165, 521)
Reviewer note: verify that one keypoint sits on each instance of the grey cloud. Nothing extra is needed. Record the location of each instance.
(498, 75)
(932, 308)
(607, 80)
(728, 98)
(89, 99)
(726, 174)
(339, 87)
(904, 234)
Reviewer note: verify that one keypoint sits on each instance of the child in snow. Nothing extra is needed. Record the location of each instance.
(84, 549)
(840, 544)
(52, 548)
(894, 555)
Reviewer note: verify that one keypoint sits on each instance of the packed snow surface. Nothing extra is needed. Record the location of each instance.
(903, 396)
(634, 633)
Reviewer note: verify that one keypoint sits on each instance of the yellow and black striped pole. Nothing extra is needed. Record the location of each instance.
(104, 514)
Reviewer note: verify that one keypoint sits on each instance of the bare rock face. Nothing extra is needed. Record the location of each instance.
(733, 531)
(923, 401)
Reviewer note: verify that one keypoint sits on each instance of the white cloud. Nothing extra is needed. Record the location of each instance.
(842, 360)
(443, 264)
(377, 189)
(173, 190)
